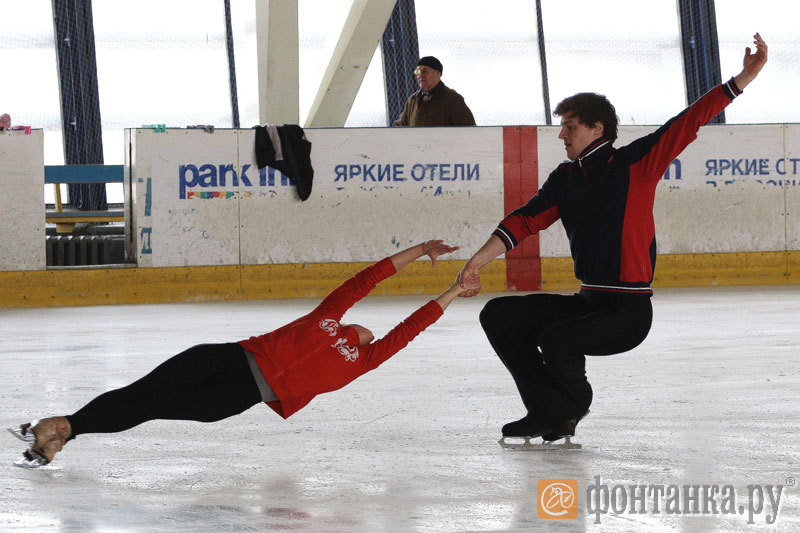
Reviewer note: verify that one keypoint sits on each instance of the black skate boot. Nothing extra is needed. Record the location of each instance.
(564, 430)
(525, 428)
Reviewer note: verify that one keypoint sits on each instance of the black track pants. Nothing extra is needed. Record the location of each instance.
(542, 340)
(206, 383)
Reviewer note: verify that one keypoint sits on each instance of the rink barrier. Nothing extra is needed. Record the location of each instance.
(130, 285)
(22, 224)
(695, 270)
(718, 196)
(199, 199)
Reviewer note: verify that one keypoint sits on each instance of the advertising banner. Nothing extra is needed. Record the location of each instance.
(728, 191)
(201, 199)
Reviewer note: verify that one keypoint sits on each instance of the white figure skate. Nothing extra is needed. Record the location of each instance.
(31, 459)
(25, 432)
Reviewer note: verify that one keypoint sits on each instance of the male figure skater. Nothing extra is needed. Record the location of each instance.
(604, 197)
(285, 368)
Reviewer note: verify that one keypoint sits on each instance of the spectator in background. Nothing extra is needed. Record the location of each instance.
(434, 104)
(5, 122)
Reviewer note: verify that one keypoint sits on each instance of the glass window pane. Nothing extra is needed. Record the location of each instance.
(773, 96)
(160, 63)
(243, 22)
(630, 53)
(320, 23)
(369, 107)
(29, 90)
(490, 56)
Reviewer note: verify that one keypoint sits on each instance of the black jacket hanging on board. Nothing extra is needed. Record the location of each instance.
(296, 151)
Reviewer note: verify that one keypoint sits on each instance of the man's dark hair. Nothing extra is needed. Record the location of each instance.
(591, 108)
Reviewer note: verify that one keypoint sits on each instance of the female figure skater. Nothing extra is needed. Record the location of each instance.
(285, 368)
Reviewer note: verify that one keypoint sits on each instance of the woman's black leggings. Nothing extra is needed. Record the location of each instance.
(205, 383)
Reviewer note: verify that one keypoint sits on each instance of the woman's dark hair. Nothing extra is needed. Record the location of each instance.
(591, 108)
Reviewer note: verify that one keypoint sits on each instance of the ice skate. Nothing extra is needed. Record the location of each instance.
(36, 457)
(31, 459)
(25, 432)
(524, 429)
(564, 430)
(45, 438)
(41, 431)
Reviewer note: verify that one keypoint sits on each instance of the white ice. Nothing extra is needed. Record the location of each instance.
(711, 397)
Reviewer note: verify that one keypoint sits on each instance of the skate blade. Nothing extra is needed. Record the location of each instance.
(24, 433)
(527, 445)
(31, 459)
(566, 445)
(515, 444)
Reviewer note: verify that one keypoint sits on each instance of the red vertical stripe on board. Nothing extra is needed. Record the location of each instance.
(521, 181)
(529, 174)
(512, 157)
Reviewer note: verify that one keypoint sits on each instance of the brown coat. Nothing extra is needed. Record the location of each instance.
(444, 107)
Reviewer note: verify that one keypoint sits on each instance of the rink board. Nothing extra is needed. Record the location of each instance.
(200, 199)
(792, 186)
(172, 232)
(206, 225)
(22, 223)
(376, 191)
(359, 214)
(697, 210)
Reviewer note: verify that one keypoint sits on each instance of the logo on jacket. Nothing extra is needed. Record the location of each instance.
(329, 326)
(350, 353)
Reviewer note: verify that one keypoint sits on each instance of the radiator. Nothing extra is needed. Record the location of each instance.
(80, 250)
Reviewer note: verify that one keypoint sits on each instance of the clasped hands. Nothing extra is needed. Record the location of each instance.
(468, 278)
(470, 281)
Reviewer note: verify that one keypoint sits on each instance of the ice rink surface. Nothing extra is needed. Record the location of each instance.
(710, 398)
